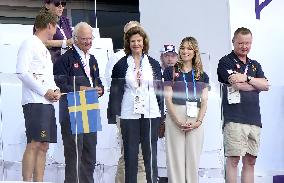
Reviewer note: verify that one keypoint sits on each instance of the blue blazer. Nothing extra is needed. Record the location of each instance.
(118, 83)
(64, 70)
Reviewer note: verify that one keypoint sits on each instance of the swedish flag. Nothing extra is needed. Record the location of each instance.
(84, 111)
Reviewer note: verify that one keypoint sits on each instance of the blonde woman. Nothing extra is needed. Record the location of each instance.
(186, 99)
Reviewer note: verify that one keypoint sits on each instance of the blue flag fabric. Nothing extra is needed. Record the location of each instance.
(84, 111)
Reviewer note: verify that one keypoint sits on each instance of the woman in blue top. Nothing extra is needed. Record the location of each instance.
(186, 95)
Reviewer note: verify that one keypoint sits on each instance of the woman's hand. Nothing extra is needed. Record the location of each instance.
(69, 42)
(180, 124)
(191, 125)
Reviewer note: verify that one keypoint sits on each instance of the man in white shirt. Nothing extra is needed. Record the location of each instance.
(39, 91)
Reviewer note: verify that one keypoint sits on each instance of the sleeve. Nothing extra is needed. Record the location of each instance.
(205, 81)
(61, 71)
(24, 59)
(114, 104)
(222, 71)
(112, 60)
(259, 71)
(206, 78)
(168, 76)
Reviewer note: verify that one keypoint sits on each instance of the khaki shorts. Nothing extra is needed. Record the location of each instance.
(240, 139)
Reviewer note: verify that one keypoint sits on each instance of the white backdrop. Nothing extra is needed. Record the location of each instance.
(212, 23)
(166, 22)
(208, 21)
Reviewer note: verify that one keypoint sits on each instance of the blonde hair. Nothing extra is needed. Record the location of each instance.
(131, 24)
(196, 60)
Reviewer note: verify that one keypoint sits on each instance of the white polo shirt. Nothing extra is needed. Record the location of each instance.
(35, 70)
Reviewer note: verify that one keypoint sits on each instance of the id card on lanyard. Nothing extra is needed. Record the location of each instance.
(191, 105)
(233, 95)
(139, 101)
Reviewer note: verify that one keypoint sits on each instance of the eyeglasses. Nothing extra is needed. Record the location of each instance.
(58, 3)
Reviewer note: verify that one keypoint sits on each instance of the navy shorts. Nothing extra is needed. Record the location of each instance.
(40, 122)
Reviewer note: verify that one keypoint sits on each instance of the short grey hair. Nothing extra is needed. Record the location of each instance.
(79, 26)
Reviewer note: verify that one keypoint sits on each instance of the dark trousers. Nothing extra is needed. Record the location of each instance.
(134, 132)
(86, 155)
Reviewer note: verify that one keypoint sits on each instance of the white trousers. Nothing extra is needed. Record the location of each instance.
(183, 149)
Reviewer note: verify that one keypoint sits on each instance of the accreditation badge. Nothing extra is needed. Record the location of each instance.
(191, 108)
(139, 104)
(233, 95)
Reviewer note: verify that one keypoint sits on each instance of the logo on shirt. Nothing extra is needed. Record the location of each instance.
(43, 133)
(253, 68)
(238, 66)
(76, 65)
(176, 74)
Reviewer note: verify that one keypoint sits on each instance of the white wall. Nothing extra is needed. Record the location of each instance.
(212, 23)
(208, 21)
(267, 49)
(169, 22)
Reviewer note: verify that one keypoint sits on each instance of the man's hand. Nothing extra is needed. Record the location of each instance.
(52, 96)
(237, 78)
(83, 88)
(99, 90)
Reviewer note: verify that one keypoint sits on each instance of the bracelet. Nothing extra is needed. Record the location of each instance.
(64, 43)
(199, 120)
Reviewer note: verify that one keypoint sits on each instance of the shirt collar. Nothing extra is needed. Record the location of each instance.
(80, 52)
(235, 57)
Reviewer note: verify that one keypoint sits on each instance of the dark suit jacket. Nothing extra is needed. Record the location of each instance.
(64, 70)
(118, 83)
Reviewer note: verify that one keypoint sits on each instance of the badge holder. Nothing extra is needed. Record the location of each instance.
(139, 103)
(233, 95)
(192, 107)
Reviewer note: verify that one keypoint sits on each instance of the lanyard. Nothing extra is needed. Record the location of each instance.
(186, 85)
(61, 31)
(140, 62)
(139, 73)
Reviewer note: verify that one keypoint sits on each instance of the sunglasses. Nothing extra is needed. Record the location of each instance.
(58, 3)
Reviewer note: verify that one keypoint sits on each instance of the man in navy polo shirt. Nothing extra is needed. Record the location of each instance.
(242, 79)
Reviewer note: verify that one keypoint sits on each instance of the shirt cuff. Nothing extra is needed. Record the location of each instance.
(64, 44)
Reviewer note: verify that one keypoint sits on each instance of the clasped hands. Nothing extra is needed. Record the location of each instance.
(53, 95)
(188, 125)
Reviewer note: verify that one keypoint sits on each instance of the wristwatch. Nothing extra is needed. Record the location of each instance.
(249, 78)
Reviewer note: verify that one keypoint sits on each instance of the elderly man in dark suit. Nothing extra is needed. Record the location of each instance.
(79, 67)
